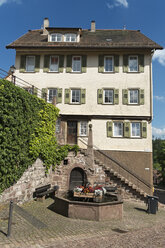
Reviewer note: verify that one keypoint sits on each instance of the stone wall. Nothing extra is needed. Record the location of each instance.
(34, 177)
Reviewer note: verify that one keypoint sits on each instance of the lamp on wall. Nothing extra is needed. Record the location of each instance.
(12, 70)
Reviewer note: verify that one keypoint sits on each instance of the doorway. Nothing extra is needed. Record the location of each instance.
(72, 132)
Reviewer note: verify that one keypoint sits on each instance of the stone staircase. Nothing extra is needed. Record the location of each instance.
(130, 189)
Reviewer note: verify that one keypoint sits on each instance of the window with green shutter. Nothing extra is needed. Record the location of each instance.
(141, 62)
(22, 63)
(59, 95)
(109, 128)
(116, 63)
(144, 129)
(67, 96)
(125, 63)
(101, 63)
(69, 63)
(141, 98)
(84, 63)
(126, 129)
(46, 63)
(100, 96)
(61, 63)
(125, 96)
(37, 63)
(83, 93)
(116, 96)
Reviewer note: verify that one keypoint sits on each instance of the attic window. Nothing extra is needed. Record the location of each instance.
(56, 37)
(70, 37)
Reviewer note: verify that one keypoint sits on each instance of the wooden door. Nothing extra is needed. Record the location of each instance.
(77, 178)
(72, 132)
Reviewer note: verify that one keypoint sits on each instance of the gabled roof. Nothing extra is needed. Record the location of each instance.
(98, 39)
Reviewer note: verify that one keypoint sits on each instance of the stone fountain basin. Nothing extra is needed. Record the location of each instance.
(88, 210)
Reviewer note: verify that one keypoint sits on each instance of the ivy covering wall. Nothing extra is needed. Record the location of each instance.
(27, 131)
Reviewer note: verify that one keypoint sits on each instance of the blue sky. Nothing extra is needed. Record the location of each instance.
(18, 16)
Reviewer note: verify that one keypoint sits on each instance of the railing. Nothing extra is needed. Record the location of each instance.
(133, 174)
(33, 90)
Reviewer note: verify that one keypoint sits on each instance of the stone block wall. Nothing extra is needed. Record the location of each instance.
(35, 176)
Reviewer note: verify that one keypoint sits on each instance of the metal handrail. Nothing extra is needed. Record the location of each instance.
(119, 164)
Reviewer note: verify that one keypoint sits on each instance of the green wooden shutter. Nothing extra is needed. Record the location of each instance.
(101, 63)
(61, 63)
(37, 63)
(84, 64)
(69, 63)
(83, 93)
(141, 62)
(116, 96)
(44, 93)
(141, 97)
(59, 95)
(125, 63)
(125, 96)
(116, 63)
(100, 96)
(22, 63)
(144, 129)
(67, 96)
(46, 63)
(109, 128)
(127, 131)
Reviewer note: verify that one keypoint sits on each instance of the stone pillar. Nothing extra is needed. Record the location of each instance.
(90, 154)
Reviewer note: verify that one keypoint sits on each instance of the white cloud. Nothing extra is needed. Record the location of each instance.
(118, 3)
(9, 1)
(160, 56)
(158, 133)
(160, 98)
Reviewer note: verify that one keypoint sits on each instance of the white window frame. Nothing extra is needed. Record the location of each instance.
(56, 37)
(136, 136)
(70, 37)
(49, 89)
(129, 58)
(115, 135)
(72, 96)
(129, 96)
(73, 63)
(27, 63)
(112, 96)
(58, 63)
(112, 57)
(83, 130)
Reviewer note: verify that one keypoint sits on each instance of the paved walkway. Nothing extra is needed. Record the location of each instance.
(36, 226)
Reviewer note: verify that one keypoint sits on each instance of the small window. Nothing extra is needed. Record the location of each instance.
(108, 96)
(133, 96)
(70, 37)
(58, 126)
(56, 37)
(118, 129)
(83, 128)
(54, 63)
(30, 63)
(75, 97)
(133, 63)
(135, 129)
(76, 64)
(108, 64)
(51, 94)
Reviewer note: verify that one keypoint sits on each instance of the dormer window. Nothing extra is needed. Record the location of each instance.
(70, 37)
(56, 37)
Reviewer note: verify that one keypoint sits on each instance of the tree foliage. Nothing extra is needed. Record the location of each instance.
(159, 156)
(27, 131)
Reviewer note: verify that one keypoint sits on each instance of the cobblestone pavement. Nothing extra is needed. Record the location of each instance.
(36, 226)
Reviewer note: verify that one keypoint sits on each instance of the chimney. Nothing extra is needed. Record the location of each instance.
(45, 25)
(93, 26)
